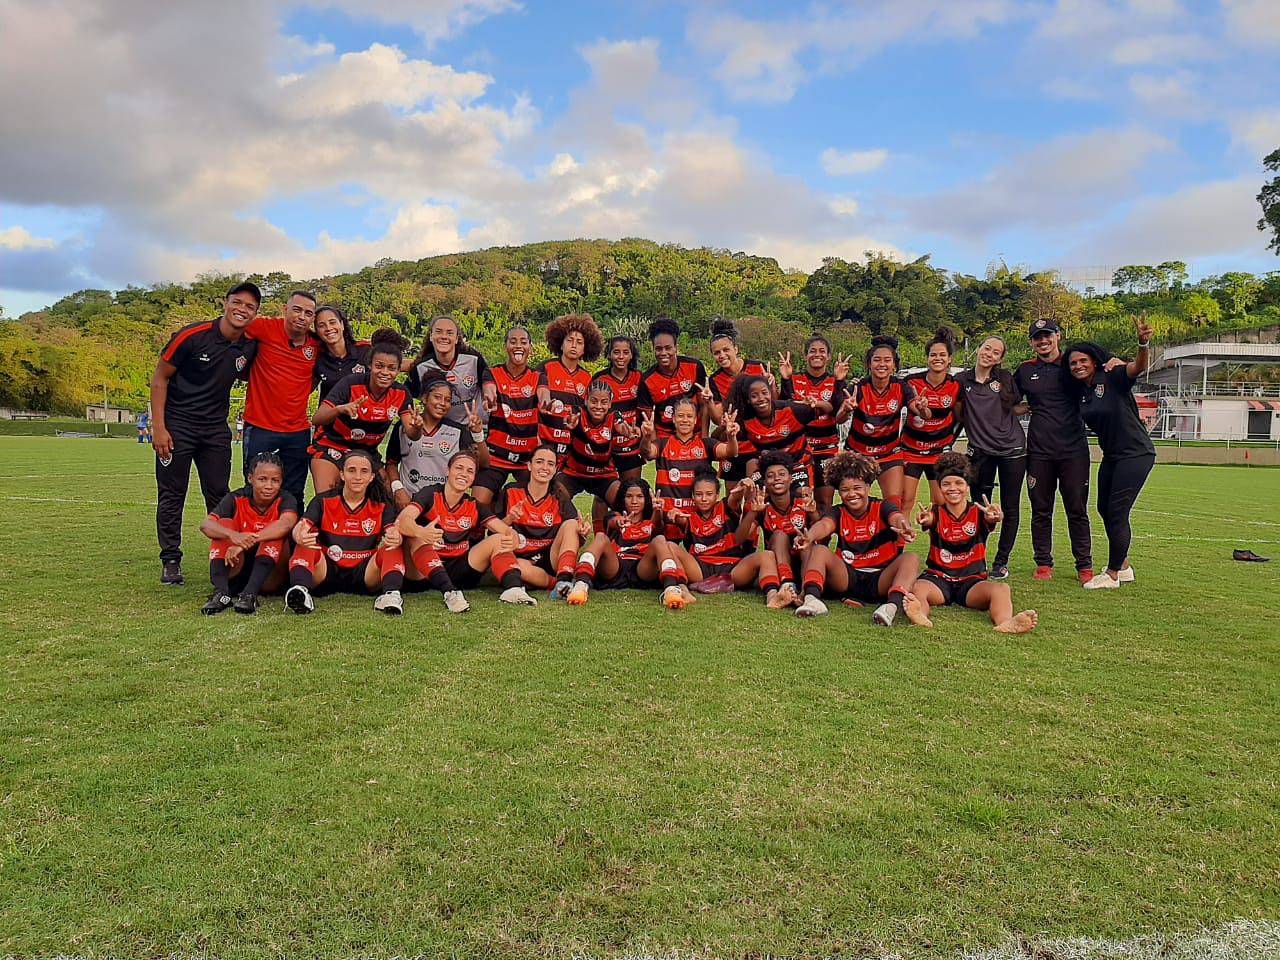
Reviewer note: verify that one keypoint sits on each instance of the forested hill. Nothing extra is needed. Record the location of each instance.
(58, 359)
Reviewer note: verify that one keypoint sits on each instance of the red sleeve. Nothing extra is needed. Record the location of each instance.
(260, 328)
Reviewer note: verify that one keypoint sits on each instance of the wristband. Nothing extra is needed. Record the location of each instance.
(477, 435)
(1143, 346)
(396, 486)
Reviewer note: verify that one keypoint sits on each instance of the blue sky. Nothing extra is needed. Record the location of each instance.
(157, 141)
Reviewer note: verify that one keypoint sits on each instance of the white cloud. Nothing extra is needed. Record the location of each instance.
(20, 238)
(1253, 22)
(1160, 48)
(1171, 94)
(433, 19)
(1257, 131)
(849, 162)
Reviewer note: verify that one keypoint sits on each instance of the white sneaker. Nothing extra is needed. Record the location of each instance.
(1101, 581)
(517, 595)
(298, 599)
(456, 602)
(389, 603)
(1126, 575)
(883, 617)
(812, 607)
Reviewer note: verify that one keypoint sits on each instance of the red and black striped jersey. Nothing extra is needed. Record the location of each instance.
(791, 519)
(513, 427)
(713, 539)
(367, 428)
(820, 433)
(877, 417)
(625, 393)
(722, 379)
(923, 438)
(632, 537)
(659, 391)
(958, 545)
(866, 542)
(535, 522)
(238, 505)
(592, 447)
(568, 393)
(348, 536)
(678, 463)
(462, 524)
(785, 432)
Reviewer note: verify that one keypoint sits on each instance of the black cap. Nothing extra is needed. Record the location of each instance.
(1043, 326)
(246, 287)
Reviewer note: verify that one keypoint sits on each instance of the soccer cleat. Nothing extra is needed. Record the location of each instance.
(518, 595)
(456, 602)
(1000, 572)
(1084, 575)
(883, 617)
(578, 593)
(297, 599)
(720, 583)
(1043, 573)
(389, 603)
(1126, 575)
(812, 607)
(1248, 556)
(217, 603)
(171, 574)
(1102, 582)
(560, 591)
(247, 603)
(672, 598)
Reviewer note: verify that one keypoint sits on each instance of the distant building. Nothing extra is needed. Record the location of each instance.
(98, 413)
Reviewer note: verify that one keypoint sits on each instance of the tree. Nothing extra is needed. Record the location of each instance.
(887, 296)
(1269, 198)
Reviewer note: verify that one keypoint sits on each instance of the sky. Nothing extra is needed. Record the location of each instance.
(144, 141)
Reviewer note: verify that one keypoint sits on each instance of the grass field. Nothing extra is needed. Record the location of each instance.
(620, 779)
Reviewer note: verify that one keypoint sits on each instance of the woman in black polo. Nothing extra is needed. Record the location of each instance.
(1109, 410)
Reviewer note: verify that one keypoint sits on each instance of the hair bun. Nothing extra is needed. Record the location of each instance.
(884, 340)
(721, 327)
(389, 336)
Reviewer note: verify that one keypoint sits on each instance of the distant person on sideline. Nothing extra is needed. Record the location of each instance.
(190, 403)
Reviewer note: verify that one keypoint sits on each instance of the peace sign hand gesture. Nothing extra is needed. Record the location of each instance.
(768, 375)
(785, 369)
(411, 418)
(646, 426)
(704, 390)
(924, 516)
(473, 416)
(991, 511)
(841, 370)
(902, 527)
(1144, 328)
(730, 422)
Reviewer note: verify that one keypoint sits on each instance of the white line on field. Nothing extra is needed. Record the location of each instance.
(64, 476)
(1162, 537)
(1197, 516)
(105, 503)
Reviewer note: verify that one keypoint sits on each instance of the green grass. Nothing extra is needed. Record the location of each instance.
(555, 782)
(50, 428)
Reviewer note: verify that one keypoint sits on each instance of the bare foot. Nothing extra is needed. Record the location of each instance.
(1023, 622)
(914, 610)
(687, 594)
(785, 597)
(774, 600)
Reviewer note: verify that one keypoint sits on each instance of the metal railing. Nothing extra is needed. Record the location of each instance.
(1219, 388)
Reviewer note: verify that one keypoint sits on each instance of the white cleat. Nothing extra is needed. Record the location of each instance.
(389, 603)
(456, 602)
(1126, 575)
(883, 617)
(517, 595)
(578, 594)
(812, 607)
(298, 599)
(1101, 581)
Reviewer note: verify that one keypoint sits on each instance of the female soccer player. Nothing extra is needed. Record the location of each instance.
(925, 435)
(591, 463)
(783, 509)
(716, 553)
(868, 565)
(632, 553)
(359, 410)
(956, 571)
(417, 462)
(546, 523)
(248, 529)
(671, 378)
(343, 355)
(444, 532)
(347, 541)
(444, 349)
(622, 377)
(825, 389)
(686, 451)
(563, 381)
(772, 425)
(997, 442)
(513, 418)
(1109, 410)
(876, 404)
(729, 365)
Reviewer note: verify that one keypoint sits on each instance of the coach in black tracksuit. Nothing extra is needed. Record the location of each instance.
(1057, 452)
(190, 400)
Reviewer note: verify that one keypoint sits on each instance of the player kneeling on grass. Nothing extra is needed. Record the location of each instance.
(868, 565)
(632, 553)
(956, 571)
(444, 530)
(249, 528)
(718, 536)
(347, 541)
(783, 507)
(546, 523)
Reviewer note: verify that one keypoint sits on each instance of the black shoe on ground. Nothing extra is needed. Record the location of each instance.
(1000, 572)
(247, 603)
(1248, 556)
(217, 603)
(171, 574)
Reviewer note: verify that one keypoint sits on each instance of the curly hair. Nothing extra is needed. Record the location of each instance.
(953, 464)
(664, 325)
(848, 464)
(389, 343)
(775, 458)
(886, 342)
(739, 393)
(582, 323)
(722, 329)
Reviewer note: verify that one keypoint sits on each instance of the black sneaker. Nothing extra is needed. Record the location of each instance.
(217, 603)
(297, 599)
(247, 603)
(1000, 572)
(1248, 556)
(171, 574)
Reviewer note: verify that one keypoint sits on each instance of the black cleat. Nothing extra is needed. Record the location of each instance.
(1248, 556)
(247, 603)
(217, 603)
(171, 574)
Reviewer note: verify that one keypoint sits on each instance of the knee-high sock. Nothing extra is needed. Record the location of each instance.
(431, 566)
(302, 567)
(586, 569)
(565, 565)
(506, 568)
(814, 582)
(390, 562)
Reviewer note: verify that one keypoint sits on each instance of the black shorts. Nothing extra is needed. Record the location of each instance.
(541, 559)
(954, 592)
(722, 569)
(460, 571)
(820, 468)
(494, 478)
(628, 461)
(344, 579)
(628, 578)
(598, 487)
(732, 471)
(328, 454)
(917, 470)
(864, 585)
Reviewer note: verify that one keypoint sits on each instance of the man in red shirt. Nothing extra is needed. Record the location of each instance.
(280, 384)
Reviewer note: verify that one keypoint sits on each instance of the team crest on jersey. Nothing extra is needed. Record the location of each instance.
(468, 381)
(548, 518)
(1031, 482)
(1099, 390)
(995, 386)
(334, 552)
(464, 523)
(526, 391)
(946, 401)
(893, 406)
(606, 434)
(784, 430)
(445, 446)
(798, 523)
(686, 384)
(368, 525)
(581, 388)
(826, 394)
(359, 368)
(970, 528)
(241, 362)
(717, 522)
(357, 434)
(309, 352)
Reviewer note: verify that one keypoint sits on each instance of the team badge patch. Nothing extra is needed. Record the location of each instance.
(970, 528)
(241, 363)
(309, 352)
(1099, 390)
(548, 518)
(445, 446)
(582, 389)
(893, 406)
(1031, 482)
(468, 381)
(686, 384)
(358, 368)
(995, 386)
(368, 525)
(525, 391)
(946, 401)
(464, 523)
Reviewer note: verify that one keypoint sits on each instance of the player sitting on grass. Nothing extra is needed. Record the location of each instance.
(956, 570)
(868, 565)
(546, 523)
(716, 552)
(249, 529)
(783, 511)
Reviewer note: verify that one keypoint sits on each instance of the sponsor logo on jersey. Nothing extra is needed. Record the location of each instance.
(699, 547)
(946, 556)
(203, 358)
(674, 473)
(847, 556)
(557, 406)
(451, 377)
(357, 433)
(334, 552)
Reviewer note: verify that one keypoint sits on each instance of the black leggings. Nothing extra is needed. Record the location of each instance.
(1119, 483)
(1012, 471)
